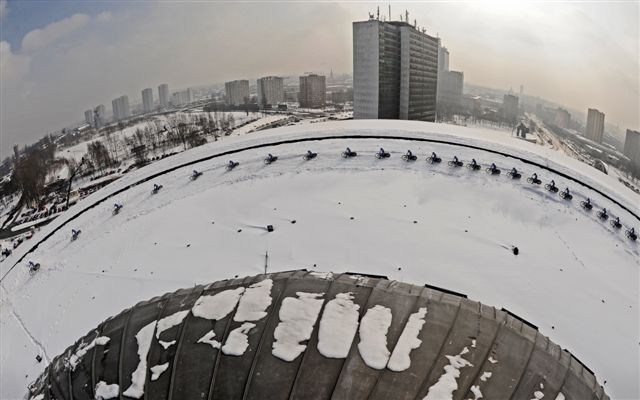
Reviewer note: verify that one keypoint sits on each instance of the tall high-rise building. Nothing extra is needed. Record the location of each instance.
(121, 108)
(99, 116)
(595, 125)
(443, 59)
(270, 91)
(163, 95)
(88, 117)
(632, 146)
(313, 91)
(450, 87)
(510, 108)
(237, 92)
(147, 100)
(562, 118)
(395, 71)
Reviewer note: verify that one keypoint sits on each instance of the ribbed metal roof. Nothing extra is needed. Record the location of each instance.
(494, 352)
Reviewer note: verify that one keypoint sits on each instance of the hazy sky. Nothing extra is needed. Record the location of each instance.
(58, 58)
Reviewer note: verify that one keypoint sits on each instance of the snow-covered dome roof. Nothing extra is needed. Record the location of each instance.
(311, 335)
(575, 276)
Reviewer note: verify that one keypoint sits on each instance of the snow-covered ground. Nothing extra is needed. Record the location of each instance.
(575, 277)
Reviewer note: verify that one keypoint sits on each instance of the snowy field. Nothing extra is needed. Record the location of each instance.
(575, 277)
(157, 122)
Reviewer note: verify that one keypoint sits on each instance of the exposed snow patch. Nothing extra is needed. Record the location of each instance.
(157, 370)
(408, 341)
(38, 397)
(560, 396)
(537, 395)
(254, 302)
(373, 337)
(473, 343)
(492, 360)
(217, 306)
(104, 391)
(144, 337)
(170, 321)
(84, 348)
(338, 326)
(448, 382)
(322, 275)
(485, 375)
(237, 342)
(166, 345)
(208, 338)
(477, 394)
(297, 318)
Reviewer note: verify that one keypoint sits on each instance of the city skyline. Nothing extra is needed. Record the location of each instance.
(77, 57)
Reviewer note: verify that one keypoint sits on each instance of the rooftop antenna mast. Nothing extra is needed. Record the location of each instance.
(406, 19)
(378, 14)
(389, 12)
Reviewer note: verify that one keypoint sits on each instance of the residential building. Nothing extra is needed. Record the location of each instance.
(163, 95)
(237, 92)
(88, 117)
(270, 91)
(121, 108)
(99, 116)
(182, 97)
(313, 91)
(562, 118)
(510, 108)
(147, 100)
(632, 146)
(595, 125)
(395, 71)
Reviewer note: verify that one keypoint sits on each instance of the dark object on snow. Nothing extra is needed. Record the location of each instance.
(269, 228)
(33, 267)
(631, 234)
(382, 154)
(493, 170)
(533, 179)
(616, 223)
(409, 156)
(565, 194)
(515, 250)
(514, 174)
(602, 214)
(551, 186)
(195, 175)
(116, 208)
(587, 204)
(433, 158)
(39, 358)
(270, 159)
(473, 165)
(310, 155)
(75, 234)
(348, 153)
(231, 165)
(455, 162)
(156, 188)
(6, 252)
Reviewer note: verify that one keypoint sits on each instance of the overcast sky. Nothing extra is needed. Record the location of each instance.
(58, 58)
